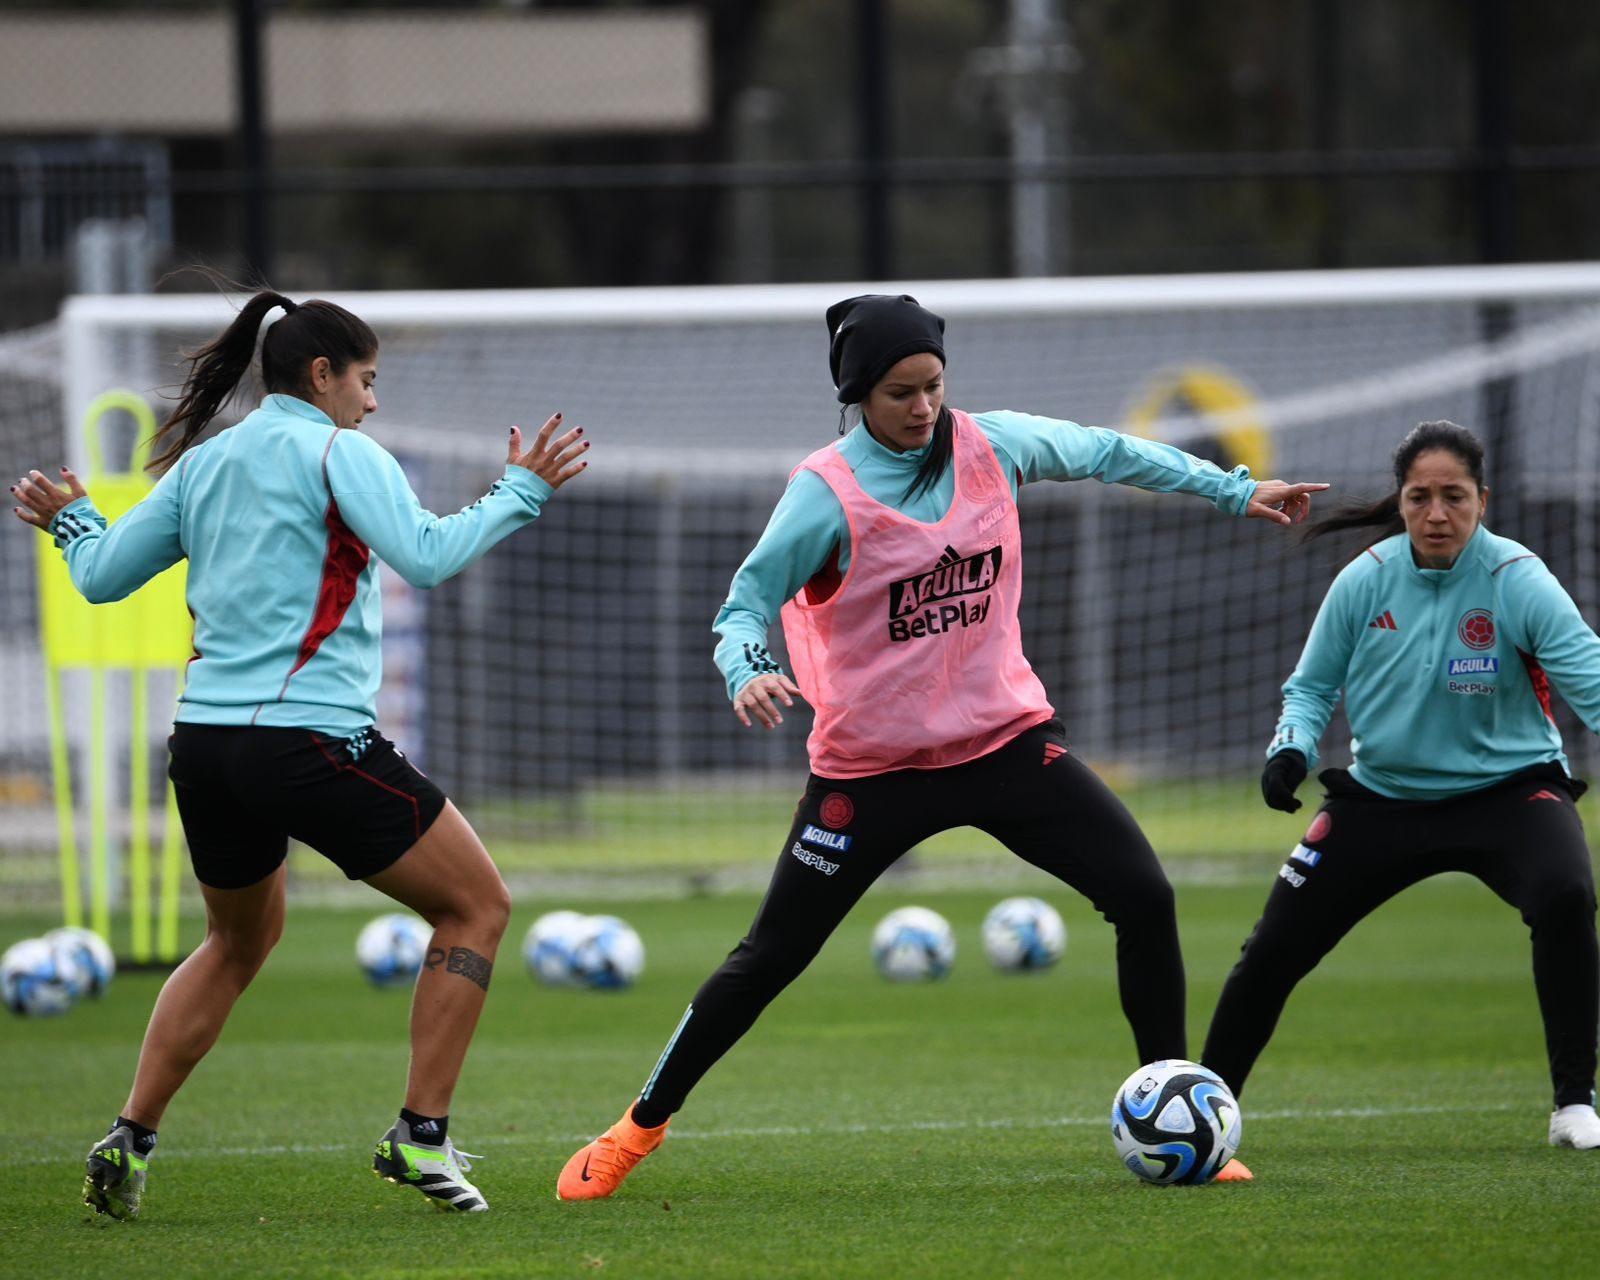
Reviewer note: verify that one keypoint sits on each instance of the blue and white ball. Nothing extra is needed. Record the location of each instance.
(547, 948)
(37, 981)
(1021, 934)
(89, 954)
(607, 953)
(1175, 1122)
(391, 949)
(913, 944)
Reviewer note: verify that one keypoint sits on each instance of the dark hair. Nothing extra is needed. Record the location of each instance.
(1425, 437)
(306, 331)
(941, 449)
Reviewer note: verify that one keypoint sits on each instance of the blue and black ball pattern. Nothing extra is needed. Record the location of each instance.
(1181, 1124)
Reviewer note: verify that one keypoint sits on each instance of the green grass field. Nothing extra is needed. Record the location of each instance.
(1396, 1124)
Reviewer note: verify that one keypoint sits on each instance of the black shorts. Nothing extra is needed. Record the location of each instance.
(244, 792)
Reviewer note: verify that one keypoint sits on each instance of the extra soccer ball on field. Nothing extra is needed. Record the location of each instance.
(391, 949)
(89, 954)
(547, 947)
(1023, 934)
(1175, 1122)
(607, 953)
(36, 980)
(913, 944)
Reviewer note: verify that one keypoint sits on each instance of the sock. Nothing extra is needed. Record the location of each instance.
(428, 1130)
(144, 1140)
(649, 1117)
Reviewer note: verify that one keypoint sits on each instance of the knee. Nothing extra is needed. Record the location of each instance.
(246, 950)
(1148, 906)
(1569, 904)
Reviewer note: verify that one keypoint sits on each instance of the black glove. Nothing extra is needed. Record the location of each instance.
(1284, 772)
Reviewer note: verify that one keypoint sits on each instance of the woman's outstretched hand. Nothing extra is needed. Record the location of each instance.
(761, 697)
(553, 461)
(41, 500)
(1281, 501)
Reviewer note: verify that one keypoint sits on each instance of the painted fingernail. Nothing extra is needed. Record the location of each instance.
(555, 415)
(579, 430)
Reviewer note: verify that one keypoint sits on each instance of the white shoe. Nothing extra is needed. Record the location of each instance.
(1575, 1126)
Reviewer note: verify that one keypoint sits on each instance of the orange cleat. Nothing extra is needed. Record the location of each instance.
(599, 1168)
(1233, 1171)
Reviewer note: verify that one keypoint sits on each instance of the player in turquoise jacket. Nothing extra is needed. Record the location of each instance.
(283, 519)
(1445, 641)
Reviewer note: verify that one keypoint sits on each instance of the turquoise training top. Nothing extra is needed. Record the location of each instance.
(808, 523)
(280, 517)
(1446, 672)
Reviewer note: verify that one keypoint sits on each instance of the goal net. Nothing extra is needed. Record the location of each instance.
(562, 690)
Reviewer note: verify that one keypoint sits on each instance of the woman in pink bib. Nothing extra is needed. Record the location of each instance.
(894, 559)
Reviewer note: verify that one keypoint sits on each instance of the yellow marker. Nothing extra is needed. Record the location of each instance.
(1211, 395)
(150, 630)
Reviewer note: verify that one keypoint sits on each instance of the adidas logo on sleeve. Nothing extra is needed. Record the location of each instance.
(1383, 622)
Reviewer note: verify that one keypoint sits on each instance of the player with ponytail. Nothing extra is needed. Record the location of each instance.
(283, 518)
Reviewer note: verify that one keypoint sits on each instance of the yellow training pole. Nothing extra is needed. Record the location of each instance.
(99, 809)
(167, 939)
(61, 782)
(139, 812)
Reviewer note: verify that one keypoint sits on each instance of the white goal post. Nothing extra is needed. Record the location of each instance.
(562, 689)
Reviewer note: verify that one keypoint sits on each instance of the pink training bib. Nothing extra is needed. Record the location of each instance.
(915, 661)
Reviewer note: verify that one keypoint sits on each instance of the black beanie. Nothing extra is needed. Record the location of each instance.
(868, 335)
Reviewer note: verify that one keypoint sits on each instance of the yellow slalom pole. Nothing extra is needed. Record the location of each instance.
(61, 782)
(139, 812)
(99, 808)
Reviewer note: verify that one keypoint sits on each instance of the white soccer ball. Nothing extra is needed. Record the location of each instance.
(548, 945)
(1175, 1122)
(391, 949)
(607, 953)
(1023, 933)
(913, 944)
(89, 953)
(36, 980)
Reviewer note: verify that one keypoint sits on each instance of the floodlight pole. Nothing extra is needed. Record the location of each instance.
(874, 131)
(1497, 242)
(254, 158)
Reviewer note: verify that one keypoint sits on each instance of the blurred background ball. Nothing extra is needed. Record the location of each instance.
(607, 953)
(37, 981)
(391, 949)
(89, 952)
(913, 944)
(1023, 934)
(1175, 1122)
(548, 945)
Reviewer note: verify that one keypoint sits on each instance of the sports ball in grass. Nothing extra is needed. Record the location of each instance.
(547, 947)
(94, 959)
(1021, 934)
(607, 953)
(1175, 1122)
(391, 949)
(913, 944)
(37, 981)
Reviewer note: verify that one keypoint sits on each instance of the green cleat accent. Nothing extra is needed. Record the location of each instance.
(113, 1183)
(438, 1172)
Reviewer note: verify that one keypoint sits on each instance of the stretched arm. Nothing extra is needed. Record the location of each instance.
(377, 502)
(106, 563)
(1055, 449)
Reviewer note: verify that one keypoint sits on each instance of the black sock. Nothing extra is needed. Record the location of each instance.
(649, 1117)
(429, 1130)
(144, 1140)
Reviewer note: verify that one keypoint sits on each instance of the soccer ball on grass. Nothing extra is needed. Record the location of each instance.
(1022, 934)
(391, 949)
(1175, 1122)
(913, 944)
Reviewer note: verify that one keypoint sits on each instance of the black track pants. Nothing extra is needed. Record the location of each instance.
(1522, 838)
(1032, 796)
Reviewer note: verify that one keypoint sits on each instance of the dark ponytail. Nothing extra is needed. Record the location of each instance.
(1425, 437)
(306, 331)
(941, 450)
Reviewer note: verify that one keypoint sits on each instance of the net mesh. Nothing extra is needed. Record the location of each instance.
(562, 690)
